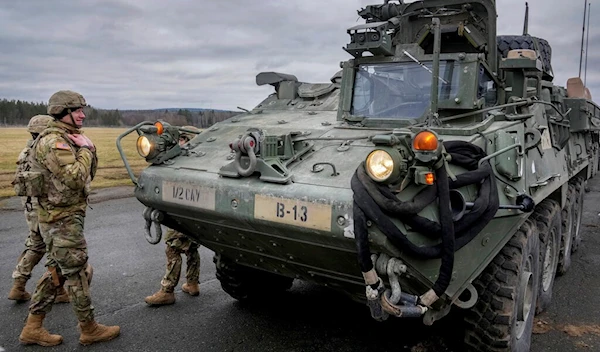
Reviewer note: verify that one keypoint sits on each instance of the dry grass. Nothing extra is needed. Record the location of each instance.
(111, 170)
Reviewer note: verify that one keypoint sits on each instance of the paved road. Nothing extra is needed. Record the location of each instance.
(309, 318)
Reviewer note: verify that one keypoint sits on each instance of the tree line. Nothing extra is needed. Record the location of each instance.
(17, 113)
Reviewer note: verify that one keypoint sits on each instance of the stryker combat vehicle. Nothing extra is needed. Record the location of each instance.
(441, 166)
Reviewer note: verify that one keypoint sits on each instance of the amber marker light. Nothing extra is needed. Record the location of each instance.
(159, 127)
(425, 141)
(429, 178)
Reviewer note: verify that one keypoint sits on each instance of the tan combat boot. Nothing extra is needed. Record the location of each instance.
(92, 332)
(191, 288)
(61, 295)
(34, 332)
(17, 292)
(160, 298)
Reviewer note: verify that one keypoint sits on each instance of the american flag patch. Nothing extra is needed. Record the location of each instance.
(62, 145)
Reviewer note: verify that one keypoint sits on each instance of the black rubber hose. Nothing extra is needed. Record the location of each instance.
(466, 229)
(447, 233)
(389, 202)
(362, 239)
(377, 202)
(373, 212)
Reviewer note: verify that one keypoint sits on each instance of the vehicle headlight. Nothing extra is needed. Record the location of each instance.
(381, 165)
(144, 146)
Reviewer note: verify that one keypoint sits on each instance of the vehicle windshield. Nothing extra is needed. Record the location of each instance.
(400, 90)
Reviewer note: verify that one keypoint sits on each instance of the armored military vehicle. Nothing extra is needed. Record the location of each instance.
(441, 166)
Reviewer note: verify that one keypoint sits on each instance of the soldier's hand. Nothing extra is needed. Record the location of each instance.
(81, 141)
(89, 141)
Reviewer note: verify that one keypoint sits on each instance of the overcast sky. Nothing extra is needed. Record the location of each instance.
(145, 54)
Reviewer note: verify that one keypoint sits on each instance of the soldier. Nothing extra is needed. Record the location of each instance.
(177, 244)
(67, 161)
(34, 244)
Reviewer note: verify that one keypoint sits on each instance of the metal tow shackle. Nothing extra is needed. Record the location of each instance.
(153, 216)
(246, 145)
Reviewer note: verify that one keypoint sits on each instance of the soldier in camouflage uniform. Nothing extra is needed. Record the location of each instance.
(178, 244)
(67, 161)
(34, 244)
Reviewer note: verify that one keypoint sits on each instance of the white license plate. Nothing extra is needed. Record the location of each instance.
(188, 194)
(293, 212)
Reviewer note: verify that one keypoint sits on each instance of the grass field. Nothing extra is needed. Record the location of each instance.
(111, 170)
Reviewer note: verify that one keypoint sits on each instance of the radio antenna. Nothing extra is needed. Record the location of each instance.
(587, 42)
(582, 37)
(526, 22)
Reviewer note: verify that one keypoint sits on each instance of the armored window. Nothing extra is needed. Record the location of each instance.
(401, 90)
(486, 87)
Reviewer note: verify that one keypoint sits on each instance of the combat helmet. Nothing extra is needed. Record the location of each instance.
(189, 135)
(65, 99)
(38, 123)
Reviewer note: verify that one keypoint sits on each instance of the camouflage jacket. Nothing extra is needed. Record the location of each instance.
(22, 165)
(22, 159)
(67, 169)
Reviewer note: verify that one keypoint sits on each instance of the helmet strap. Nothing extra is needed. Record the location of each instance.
(72, 120)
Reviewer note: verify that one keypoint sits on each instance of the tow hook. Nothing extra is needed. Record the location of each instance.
(247, 145)
(153, 216)
(404, 311)
(395, 302)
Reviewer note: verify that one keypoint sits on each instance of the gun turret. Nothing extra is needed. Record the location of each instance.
(467, 26)
(380, 13)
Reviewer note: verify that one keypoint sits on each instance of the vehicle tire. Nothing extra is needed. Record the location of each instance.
(502, 318)
(586, 187)
(244, 283)
(568, 222)
(512, 42)
(547, 216)
(579, 184)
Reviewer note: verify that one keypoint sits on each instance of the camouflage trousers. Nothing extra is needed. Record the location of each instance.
(177, 244)
(35, 248)
(67, 261)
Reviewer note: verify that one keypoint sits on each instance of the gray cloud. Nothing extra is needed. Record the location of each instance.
(152, 53)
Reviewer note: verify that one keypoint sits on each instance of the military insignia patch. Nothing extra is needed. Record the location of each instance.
(63, 146)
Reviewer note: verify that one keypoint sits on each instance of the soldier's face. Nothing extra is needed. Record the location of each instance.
(78, 117)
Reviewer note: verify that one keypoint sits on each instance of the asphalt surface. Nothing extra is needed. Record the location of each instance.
(307, 318)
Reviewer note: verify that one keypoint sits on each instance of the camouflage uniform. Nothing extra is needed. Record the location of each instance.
(66, 161)
(34, 244)
(177, 244)
(68, 171)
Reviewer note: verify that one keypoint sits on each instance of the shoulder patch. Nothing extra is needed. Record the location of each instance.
(63, 146)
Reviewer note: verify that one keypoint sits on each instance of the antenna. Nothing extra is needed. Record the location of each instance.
(587, 42)
(582, 37)
(526, 22)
